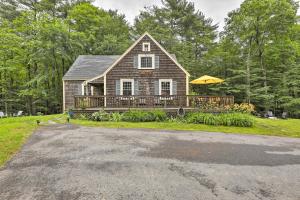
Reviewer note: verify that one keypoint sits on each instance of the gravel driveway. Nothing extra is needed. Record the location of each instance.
(71, 162)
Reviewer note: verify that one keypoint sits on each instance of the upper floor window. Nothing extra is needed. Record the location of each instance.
(146, 46)
(146, 61)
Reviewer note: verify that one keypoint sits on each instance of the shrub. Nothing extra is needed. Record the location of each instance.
(158, 115)
(224, 119)
(144, 116)
(116, 117)
(293, 107)
(100, 116)
(39, 114)
(242, 108)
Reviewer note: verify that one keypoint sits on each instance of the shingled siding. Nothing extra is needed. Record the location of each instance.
(146, 78)
(72, 88)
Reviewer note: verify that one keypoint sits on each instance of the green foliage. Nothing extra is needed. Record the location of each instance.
(100, 116)
(116, 117)
(293, 107)
(144, 116)
(240, 108)
(257, 53)
(38, 43)
(224, 119)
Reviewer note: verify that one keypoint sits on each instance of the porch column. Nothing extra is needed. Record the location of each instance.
(187, 91)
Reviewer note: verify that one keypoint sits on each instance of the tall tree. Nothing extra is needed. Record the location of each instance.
(259, 27)
(180, 28)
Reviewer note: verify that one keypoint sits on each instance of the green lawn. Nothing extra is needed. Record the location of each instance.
(286, 128)
(14, 132)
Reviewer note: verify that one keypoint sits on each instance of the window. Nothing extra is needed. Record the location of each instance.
(146, 46)
(127, 87)
(165, 87)
(146, 61)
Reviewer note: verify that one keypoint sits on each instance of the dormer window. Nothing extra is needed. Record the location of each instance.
(146, 46)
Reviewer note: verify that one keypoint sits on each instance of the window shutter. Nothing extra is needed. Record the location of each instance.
(156, 62)
(136, 87)
(156, 87)
(174, 88)
(79, 89)
(118, 91)
(135, 61)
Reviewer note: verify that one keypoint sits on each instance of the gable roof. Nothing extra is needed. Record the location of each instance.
(87, 66)
(130, 48)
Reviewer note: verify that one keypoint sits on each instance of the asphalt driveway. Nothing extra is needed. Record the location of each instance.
(70, 162)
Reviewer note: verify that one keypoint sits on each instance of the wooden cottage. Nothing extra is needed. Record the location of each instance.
(145, 76)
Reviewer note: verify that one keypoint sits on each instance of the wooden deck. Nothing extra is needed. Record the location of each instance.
(123, 103)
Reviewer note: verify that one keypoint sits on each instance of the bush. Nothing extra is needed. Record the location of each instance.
(242, 108)
(144, 116)
(225, 119)
(116, 117)
(100, 116)
(293, 107)
(158, 115)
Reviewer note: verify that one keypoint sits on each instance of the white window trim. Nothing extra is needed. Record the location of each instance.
(146, 55)
(146, 43)
(127, 80)
(166, 80)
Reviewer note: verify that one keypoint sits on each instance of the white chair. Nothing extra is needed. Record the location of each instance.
(1, 114)
(20, 113)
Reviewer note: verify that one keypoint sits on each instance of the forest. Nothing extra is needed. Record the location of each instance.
(257, 53)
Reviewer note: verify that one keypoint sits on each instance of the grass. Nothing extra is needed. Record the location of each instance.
(14, 132)
(285, 128)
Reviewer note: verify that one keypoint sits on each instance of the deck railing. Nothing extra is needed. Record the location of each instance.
(173, 101)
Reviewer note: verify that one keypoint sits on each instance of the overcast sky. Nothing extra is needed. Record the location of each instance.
(215, 9)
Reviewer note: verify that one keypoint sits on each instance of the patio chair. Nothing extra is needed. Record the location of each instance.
(2, 114)
(19, 114)
(270, 114)
(284, 115)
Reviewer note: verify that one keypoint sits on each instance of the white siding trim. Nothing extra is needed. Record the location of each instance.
(92, 90)
(166, 80)
(104, 81)
(146, 55)
(187, 85)
(127, 80)
(82, 88)
(187, 90)
(64, 97)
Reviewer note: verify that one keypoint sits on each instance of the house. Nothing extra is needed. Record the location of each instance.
(145, 76)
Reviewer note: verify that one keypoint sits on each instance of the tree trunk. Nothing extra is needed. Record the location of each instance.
(248, 73)
(264, 72)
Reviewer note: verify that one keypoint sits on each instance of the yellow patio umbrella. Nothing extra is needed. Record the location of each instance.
(204, 80)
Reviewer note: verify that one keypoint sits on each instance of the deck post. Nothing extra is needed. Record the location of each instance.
(187, 91)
